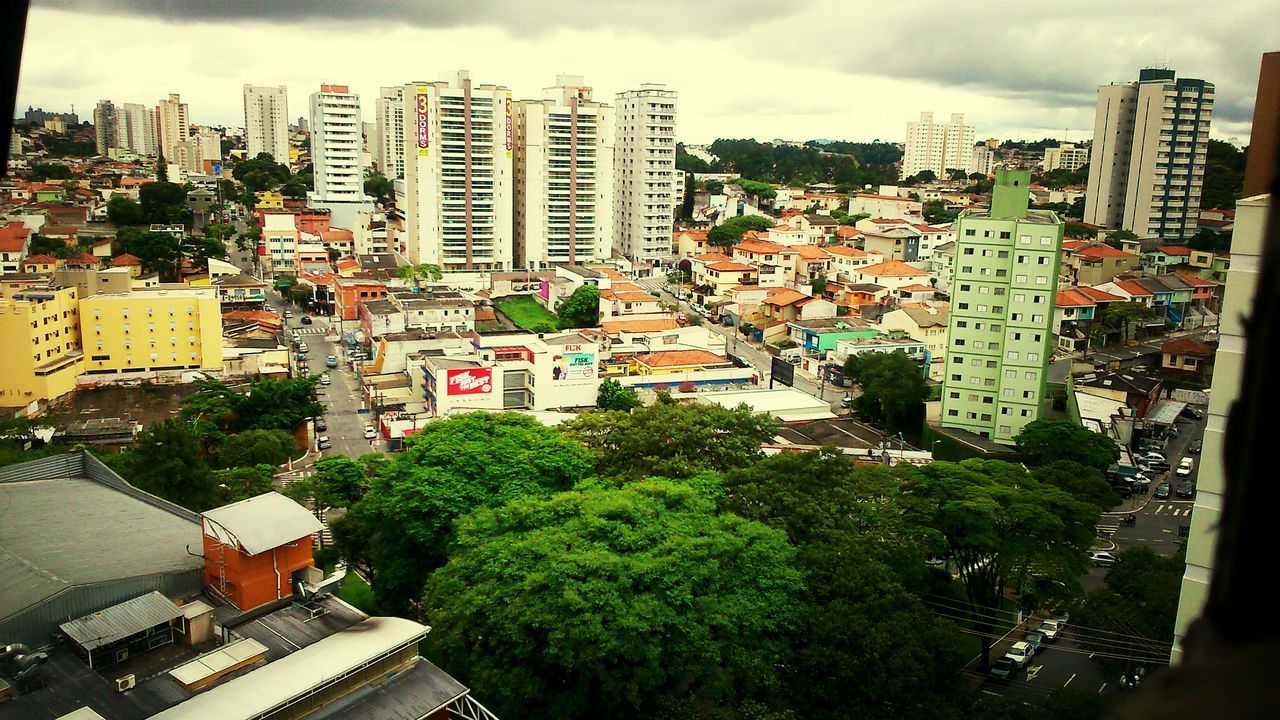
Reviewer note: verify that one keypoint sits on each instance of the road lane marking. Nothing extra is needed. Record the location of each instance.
(1104, 686)
(1033, 671)
(1068, 682)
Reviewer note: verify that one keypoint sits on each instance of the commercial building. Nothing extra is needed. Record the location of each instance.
(644, 164)
(40, 327)
(152, 330)
(513, 371)
(1065, 157)
(388, 155)
(1002, 304)
(563, 177)
(458, 149)
(938, 146)
(104, 126)
(173, 126)
(1150, 143)
(335, 154)
(266, 121)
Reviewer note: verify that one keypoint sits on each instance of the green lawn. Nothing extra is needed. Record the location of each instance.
(525, 311)
(358, 593)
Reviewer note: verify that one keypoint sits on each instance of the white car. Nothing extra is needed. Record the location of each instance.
(1153, 455)
(324, 380)
(1102, 559)
(1051, 629)
(1185, 467)
(369, 432)
(1020, 653)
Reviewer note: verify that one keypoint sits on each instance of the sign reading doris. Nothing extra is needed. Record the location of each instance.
(469, 381)
(424, 130)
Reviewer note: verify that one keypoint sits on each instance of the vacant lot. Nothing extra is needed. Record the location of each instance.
(524, 311)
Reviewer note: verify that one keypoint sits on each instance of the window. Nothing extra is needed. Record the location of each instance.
(1029, 375)
(957, 360)
(1012, 355)
(1037, 318)
(955, 378)
(953, 413)
(964, 306)
(1011, 374)
(968, 250)
(1024, 239)
(1046, 240)
(1033, 356)
(976, 362)
(984, 290)
(970, 232)
(1003, 253)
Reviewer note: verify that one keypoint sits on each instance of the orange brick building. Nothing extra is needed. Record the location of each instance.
(252, 548)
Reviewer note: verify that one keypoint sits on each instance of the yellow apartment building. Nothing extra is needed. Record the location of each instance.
(269, 200)
(41, 340)
(152, 330)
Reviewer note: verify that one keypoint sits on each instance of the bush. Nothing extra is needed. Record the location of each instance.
(687, 387)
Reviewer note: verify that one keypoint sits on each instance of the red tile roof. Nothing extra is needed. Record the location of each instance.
(1100, 295)
(1175, 250)
(40, 260)
(758, 247)
(1133, 288)
(84, 259)
(892, 267)
(1192, 279)
(1186, 346)
(847, 232)
(13, 237)
(812, 252)
(125, 260)
(729, 266)
(916, 288)
(845, 251)
(712, 257)
(1100, 250)
(1073, 297)
(680, 358)
(647, 325)
(782, 297)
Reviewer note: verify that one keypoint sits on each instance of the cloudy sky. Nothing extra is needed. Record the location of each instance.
(796, 69)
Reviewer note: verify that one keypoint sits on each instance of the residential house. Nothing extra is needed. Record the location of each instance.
(892, 274)
(941, 265)
(719, 273)
(926, 324)
(1074, 311)
(1163, 258)
(240, 291)
(811, 262)
(689, 243)
(1134, 388)
(14, 238)
(1096, 263)
(131, 263)
(897, 242)
(885, 206)
(1187, 357)
(39, 264)
(350, 292)
(845, 262)
(819, 335)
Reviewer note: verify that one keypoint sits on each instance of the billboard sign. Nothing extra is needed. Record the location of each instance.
(422, 122)
(216, 169)
(781, 371)
(573, 364)
(508, 124)
(469, 381)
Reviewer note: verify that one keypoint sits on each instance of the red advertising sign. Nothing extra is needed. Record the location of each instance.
(424, 130)
(470, 381)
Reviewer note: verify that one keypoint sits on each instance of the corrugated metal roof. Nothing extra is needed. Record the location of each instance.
(120, 621)
(261, 523)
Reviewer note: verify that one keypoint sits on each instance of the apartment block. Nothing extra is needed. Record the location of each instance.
(173, 126)
(644, 163)
(1000, 331)
(152, 330)
(336, 143)
(266, 121)
(388, 155)
(563, 168)
(136, 128)
(42, 355)
(104, 126)
(1150, 143)
(1065, 157)
(938, 146)
(459, 185)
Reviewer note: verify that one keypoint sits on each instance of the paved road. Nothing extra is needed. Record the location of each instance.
(1057, 665)
(1158, 520)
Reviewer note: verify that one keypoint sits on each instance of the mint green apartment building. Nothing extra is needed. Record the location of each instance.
(1002, 298)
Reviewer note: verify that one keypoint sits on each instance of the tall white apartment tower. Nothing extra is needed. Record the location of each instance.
(1150, 142)
(136, 128)
(458, 146)
(388, 154)
(266, 121)
(564, 151)
(173, 126)
(644, 173)
(938, 146)
(336, 141)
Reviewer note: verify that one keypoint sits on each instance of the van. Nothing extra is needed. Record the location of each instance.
(791, 355)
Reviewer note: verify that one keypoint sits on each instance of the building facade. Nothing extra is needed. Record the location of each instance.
(938, 146)
(388, 155)
(136, 128)
(42, 333)
(458, 150)
(1000, 331)
(336, 143)
(1065, 157)
(266, 121)
(644, 163)
(104, 126)
(173, 126)
(563, 177)
(1150, 143)
(151, 330)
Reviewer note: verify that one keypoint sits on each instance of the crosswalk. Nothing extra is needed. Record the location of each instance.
(1174, 510)
(310, 330)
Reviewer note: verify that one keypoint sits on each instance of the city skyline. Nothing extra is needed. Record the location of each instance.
(781, 93)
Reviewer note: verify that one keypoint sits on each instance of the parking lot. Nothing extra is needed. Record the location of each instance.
(1062, 663)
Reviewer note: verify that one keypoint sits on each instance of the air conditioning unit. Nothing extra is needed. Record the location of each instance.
(126, 683)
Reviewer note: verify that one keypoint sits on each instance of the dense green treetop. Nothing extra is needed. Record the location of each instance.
(1052, 439)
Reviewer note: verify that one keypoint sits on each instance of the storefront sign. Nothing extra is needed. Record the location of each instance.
(424, 129)
(470, 381)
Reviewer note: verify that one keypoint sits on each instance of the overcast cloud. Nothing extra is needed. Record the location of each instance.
(798, 69)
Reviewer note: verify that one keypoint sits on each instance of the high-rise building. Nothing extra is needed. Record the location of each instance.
(984, 160)
(458, 147)
(644, 173)
(335, 154)
(136, 128)
(1065, 157)
(105, 121)
(1150, 141)
(938, 146)
(1001, 326)
(563, 176)
(388, 155)
(266, 121)
(173, 126)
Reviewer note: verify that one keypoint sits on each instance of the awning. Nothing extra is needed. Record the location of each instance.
(120, 621)
(1165, 412)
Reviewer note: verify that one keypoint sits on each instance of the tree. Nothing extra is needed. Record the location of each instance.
(1223, 175)
(257, 447)
(893, 386)
(924, 176)
(761, 190)
(1121, 315)
(122, 211)
(260, 172)
(162, 168)
(998, 528)
(158, 251)
(936, 213)
(818, 285)
(217, 409)
(167, 460)
(241, 483)
(956, 174)
(672, 440)
(581, 309)
(628, 598)
(730, 231)
(1207, 240)
(1131, 620)
(613, 396)
(1079, 231)
(1079, 481)
(448, 469)
(423, 271)
(1049, 440)
(1115, 238)
(686, 204)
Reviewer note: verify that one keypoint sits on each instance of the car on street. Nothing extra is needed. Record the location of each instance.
(369, 432)
(1185, 489)
(321, 425)
(1153, 455)
(1185, 467)
(331, 361)
(306, 320)
(1124, 490)
(1102, 559)
(1035, 639)
(322, 443)
(302, 348)
(1163, 490)
(304, 371)
(1192, 413)
(287, 314)
(1051, 629)
(1062, 617)
(1171, 431)
(1020, 653)
(1155, 466)
(1003, 669)
(1195, 447)
(846, 401)
(324, 379)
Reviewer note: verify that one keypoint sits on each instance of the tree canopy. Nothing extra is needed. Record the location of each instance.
(851, 164)
(167, 460)
(1049, 440)
(893, 387)
(217, 409)
(1223, 175)
(628, 597)
(581, 309)
(613, 396)
(730, 231)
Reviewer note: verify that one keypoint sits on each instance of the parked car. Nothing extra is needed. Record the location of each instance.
(324, 379)
(287, 314)
(1192, 413)
(1195, 447)
(1185, 467)
(846, 401)
(1123, 489)
(1020, 653)
(1035, 638)
(1061, 617)
(1171, 431)
(1155, 466)
(302, 348)
(321, 425)
(1186, 489)
(1102, 559)
(1163, 490)
(322, 443)
(1051, 629)
(306, 320)
(1153, 455)
(369, 432)
(1003, 668)
(331, 361)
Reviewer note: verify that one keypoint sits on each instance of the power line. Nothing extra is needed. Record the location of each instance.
(955, 605)
(1154, 660)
